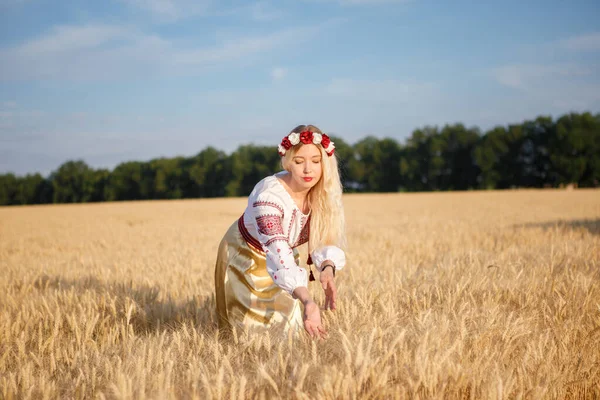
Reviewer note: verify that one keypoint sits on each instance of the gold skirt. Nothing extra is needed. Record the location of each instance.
(246, 295)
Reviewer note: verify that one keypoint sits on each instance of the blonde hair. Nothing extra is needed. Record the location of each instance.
(327, 222)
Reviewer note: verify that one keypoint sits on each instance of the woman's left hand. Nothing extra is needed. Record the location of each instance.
(326, 278)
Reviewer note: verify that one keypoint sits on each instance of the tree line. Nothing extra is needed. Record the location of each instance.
(537, 153)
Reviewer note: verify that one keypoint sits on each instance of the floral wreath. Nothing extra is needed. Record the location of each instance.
(306, 137)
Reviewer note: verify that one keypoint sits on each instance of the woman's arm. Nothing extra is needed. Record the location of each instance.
(327, 260)
(312, 315)
(267, 217)
(328, 284)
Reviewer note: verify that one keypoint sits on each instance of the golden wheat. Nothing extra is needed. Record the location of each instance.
(446, 295)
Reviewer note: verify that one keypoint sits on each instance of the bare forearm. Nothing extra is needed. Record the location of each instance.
(301, 293)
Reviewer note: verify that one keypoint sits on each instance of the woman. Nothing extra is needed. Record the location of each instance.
(258, 280)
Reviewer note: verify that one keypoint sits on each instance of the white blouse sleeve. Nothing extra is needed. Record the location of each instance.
(267, 216)
(332, 253)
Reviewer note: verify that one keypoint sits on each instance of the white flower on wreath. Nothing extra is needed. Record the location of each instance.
(330, 147)
(317, 137)
(281, 149)
(294, 138)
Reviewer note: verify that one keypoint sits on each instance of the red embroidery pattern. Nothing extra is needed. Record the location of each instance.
(269, 225)
(292, 220)
(276, 239)
(268, 204)
(304, 234)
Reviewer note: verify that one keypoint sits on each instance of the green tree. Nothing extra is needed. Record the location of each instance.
(497, 156)
(209, 173)
(33, 189)
(125, 182)
(171, 179)
(419, 160)
(95, 185)
(534, 153)
(346, 163)
(488, 153)
(249, 164)
(68, 182)
(9, 187)
(376, 164)
(575, 150)
(534, 156)
(459, 170)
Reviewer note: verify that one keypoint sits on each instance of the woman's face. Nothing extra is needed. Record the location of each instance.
(305, 167)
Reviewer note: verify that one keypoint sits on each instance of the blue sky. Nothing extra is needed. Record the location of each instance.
(118, 80)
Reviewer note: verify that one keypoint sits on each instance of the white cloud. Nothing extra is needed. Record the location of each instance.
(544, 88)
(82, 53)
(278, 73)
(363, 2)
(586, 42)
(367, 2)
(553, 88)
(171, 10)
(101, 140)
(16, 123)
(355, 108)
(99, 52)
(237, 48)
(11, 3)
(26, 114)
(347, 107)
(528, 76)
(73, 38)
(380, 91)
(263, 11)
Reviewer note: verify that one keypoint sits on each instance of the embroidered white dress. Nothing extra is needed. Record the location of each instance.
(258, 266)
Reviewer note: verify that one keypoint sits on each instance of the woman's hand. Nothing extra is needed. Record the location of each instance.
(326, 278)
(312, 320)
(312, 315)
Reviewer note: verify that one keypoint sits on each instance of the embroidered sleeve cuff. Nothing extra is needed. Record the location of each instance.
(332, 253)
(289, 277)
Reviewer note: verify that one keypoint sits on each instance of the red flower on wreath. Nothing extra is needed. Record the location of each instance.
(286, 143)
(325, 141)
(306, 137)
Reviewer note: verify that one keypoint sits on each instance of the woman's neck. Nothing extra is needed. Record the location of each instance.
(299, 195)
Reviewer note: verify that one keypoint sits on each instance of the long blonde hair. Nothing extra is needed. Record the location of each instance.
(327, 222)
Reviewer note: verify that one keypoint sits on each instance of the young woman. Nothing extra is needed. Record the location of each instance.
(259, 281)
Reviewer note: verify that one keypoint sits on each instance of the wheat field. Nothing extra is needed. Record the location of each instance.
(474, 295)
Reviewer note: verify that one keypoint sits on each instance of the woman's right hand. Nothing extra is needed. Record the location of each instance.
(312, 320)
(312, 314)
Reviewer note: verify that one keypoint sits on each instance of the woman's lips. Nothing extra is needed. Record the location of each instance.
(307, 179)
